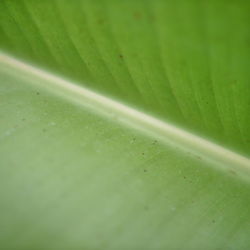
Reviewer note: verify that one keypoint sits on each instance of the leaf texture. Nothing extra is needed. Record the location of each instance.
(124, 124)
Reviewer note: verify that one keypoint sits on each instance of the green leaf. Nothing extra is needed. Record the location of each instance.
(124, 124)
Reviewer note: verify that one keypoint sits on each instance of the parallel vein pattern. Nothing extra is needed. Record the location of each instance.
(183, 61)
(124, 124)
(74, 178)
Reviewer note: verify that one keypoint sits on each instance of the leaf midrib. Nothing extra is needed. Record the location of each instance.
(223, 158)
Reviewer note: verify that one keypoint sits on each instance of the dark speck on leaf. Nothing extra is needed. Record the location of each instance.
(37, 93)
(121, 56)
(100, 21)
(137, 15)
(145, 170)
(232, 172)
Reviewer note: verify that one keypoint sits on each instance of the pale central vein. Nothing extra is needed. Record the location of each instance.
(162, 129)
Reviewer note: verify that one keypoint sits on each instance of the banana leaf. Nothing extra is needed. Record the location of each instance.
(124, 124)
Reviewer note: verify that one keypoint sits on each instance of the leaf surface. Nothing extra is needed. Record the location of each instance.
(124, 125)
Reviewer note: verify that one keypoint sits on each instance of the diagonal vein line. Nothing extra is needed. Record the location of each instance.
(162, 129)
